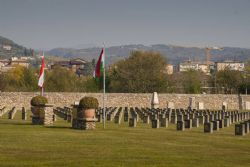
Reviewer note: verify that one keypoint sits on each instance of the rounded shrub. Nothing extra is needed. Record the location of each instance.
(39, 101)
(88, 103)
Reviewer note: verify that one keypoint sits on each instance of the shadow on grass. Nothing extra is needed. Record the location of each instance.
(58, 127)
(15, 123)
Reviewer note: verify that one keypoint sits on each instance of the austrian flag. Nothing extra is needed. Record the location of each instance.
(100, 65)
(41, 76)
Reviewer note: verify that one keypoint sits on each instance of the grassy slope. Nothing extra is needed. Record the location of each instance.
(22, 144)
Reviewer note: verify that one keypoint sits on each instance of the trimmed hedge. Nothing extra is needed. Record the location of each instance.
(39, 101)
(88, 103)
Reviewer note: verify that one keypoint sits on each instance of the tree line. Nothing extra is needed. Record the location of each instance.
(141, 72)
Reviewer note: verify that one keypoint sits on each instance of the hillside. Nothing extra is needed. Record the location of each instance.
(8, 48)
(175, 54)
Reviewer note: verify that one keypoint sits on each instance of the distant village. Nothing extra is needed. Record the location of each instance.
(77, 65)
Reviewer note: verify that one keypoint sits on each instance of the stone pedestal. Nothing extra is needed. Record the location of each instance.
(180, 126)
(45, 115)
(208, 127)
(84, 123)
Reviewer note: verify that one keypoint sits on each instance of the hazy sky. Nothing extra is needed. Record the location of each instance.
(69, 23)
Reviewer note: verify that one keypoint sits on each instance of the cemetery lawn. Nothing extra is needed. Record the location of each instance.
(23, 144)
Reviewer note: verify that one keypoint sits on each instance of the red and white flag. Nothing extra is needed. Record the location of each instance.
(41, 76)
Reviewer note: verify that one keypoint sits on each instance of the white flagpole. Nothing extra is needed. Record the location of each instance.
(103, 102)
(42, 92)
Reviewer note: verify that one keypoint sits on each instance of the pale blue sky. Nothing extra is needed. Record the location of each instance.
(67, 23)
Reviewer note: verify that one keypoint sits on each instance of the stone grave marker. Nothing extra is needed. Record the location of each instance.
(208, 127)
(188, 123)
(195, 122)
(216, 125)
(132, 122)
(164, 122)
(226, 122)
(180, 126)
(239, 129)
(221, 123)
(246, 123)
(24, 114)
(155, 123)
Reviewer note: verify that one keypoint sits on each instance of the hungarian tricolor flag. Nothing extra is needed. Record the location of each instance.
(41, 76)
(99, 68)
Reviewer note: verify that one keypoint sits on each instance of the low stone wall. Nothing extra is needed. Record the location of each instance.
(210, 101)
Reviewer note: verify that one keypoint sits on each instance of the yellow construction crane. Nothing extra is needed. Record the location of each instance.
(208, 55)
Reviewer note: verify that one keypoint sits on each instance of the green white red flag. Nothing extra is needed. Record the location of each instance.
(99, 68)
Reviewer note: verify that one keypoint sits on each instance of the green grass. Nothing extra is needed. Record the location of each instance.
(23, 144)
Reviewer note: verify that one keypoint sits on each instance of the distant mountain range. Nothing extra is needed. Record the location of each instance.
(174, 54)
(9, 48)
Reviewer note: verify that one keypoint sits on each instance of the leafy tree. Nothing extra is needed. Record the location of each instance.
(30, 79)
(19, 79)
(143, 71)
(245, 86)
(60, 79)
(229, 80)
(192, 81)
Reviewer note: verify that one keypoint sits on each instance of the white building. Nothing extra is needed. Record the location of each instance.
(197, 66)
(231, 65)
(7, 47)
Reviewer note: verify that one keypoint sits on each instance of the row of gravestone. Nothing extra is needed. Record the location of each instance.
(11, 113)
(242, 128)
(185, 119)
(234, 117)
